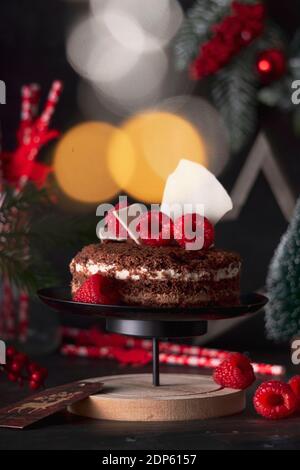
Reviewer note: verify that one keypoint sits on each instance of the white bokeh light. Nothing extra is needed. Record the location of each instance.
(158, 19)
(121, 48)
(140, 87)
(96, 55)
(124, 29)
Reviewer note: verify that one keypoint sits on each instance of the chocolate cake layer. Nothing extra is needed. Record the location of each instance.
(162, 276)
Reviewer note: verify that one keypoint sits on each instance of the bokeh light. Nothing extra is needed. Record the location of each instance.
(80, 163)
(158, 19)
(140, 87)
(121, 47)
(149, 149)
(96, 55)
(209, 124)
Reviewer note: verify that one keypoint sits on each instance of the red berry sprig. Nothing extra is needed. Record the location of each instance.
(232, 34)
(20, 369)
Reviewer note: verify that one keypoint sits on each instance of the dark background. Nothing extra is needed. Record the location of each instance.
(32, 48)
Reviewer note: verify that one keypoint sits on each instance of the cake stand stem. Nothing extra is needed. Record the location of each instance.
(155, 362)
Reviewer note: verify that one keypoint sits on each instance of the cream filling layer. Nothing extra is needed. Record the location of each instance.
(91, 268)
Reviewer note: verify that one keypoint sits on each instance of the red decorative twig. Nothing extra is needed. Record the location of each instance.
(96, 344)
(53, 97)
(18, 168)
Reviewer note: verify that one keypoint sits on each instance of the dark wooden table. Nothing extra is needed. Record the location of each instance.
(65, 431)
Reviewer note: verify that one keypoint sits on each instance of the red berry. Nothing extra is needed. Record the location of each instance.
(10, 352)
(274, 400)
(32, 367)
(294, 383)
(97, 289)
(12, 377)
(113, 225)
(20, 381)
(37, 376)
(194, 229)
(234, 372)
(44, 372)
(34, 385)
(155, 228)
(15, 366)
(22, 358)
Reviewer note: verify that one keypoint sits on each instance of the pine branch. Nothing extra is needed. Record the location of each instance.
(196, 29)
(22, 265)
(234, 91)
(272, 37)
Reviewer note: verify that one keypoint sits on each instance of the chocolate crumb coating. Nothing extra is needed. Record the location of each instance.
(162, 275)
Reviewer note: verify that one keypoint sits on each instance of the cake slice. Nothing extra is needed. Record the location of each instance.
(162, 276)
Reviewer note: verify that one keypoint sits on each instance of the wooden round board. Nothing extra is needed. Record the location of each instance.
(180, 397)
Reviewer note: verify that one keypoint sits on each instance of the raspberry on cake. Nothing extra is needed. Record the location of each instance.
(161, 276)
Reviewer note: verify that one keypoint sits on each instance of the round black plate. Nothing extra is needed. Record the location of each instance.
(59, 298)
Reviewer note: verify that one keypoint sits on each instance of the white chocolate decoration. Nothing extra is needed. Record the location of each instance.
(193, 188)
(128, 217)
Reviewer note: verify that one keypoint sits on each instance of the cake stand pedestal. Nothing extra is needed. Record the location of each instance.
(160, 397)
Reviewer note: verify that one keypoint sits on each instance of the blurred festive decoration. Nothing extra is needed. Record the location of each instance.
(148, 149)
(122, 50)
(261, 159)
(271, 65)
(21, 166)
(283, 309)
(96, 344)
(21, 180)
(229, 37)
(246, 58)
(19, 368)
(158, 21)
(81, 162)
(209, 124)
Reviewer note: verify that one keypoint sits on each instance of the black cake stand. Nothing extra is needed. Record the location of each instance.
(138, 397)
(152, 322)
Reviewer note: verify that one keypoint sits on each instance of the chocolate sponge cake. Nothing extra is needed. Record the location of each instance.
(162, 275)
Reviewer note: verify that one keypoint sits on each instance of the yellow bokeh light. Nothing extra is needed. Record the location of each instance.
(80, 163)
(148, 149)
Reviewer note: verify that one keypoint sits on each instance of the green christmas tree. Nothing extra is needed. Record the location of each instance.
(283, 284)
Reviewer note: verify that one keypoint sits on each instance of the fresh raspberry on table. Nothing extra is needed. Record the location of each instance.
(294, 383)
(234, 372)
(275, 400)
(155, 228)
(97, 289)
(194, 229)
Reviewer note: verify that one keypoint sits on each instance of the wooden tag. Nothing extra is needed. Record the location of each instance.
(45, 403)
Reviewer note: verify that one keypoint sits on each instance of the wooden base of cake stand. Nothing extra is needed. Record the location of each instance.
(180, 397)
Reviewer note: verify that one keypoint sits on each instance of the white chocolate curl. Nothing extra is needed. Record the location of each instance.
(193, 188)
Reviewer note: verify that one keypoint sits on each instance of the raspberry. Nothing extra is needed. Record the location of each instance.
(113, 225)
(193, 228)
(294, 383)
(274, 400)
(97, 289)
(155, 228)
(235, 372)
